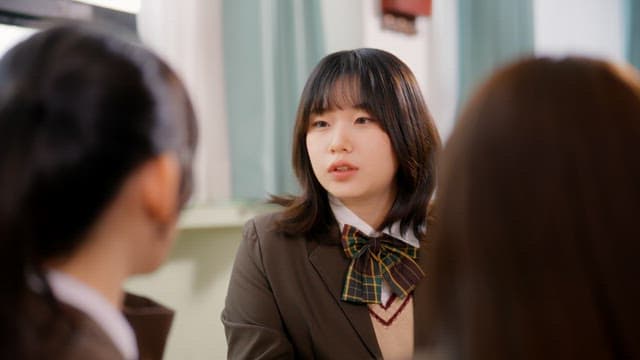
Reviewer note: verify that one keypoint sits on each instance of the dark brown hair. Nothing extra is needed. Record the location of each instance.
(381, 84)
(80, 110)
(537, 238)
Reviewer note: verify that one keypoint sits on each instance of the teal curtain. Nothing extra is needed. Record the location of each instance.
(270, 48)
(491, 32)
(631, 11)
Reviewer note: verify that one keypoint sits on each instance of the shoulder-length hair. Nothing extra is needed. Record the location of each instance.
(537, 238)
(381, 84)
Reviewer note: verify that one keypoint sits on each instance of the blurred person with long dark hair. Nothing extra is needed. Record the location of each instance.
(537, 236)
(96, 142)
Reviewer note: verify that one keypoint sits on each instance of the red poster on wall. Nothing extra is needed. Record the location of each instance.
(407, 7)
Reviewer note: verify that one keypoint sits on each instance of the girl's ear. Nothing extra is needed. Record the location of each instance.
(160, 188)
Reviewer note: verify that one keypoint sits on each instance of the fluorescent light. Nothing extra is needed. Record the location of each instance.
(11, 35)
(130, 6)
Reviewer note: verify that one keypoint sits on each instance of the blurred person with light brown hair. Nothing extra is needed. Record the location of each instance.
(537, 237)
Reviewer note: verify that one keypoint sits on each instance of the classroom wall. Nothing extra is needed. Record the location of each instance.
(193, 282)
(586, 27)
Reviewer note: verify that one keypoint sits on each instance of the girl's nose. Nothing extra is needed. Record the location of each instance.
(340, 141)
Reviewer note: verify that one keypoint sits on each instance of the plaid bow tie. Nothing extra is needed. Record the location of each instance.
(375, 259)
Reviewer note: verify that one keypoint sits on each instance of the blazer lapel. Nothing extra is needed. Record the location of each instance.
(420, 317)
(331, 264)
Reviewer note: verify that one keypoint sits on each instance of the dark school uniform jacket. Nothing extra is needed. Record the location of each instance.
(284, 301)
(82, 338)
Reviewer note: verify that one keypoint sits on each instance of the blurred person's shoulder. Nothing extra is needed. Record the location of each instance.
(64, 332)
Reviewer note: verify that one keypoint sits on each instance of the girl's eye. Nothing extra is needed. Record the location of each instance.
(319, 124)
(364, 120)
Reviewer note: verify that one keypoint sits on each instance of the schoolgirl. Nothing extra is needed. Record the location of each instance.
(336, 273)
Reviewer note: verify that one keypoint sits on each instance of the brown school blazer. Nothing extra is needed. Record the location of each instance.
(85, 339)
(151, 322)
(284, 301)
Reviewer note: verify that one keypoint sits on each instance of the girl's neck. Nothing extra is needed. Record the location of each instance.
(99, 264)
(373, 211)
(107, 285)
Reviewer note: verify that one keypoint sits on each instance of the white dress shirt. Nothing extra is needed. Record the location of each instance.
(86, 299)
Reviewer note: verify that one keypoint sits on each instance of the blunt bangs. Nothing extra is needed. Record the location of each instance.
(340, 92)
(340, 84)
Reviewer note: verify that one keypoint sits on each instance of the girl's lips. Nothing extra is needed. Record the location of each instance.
(343, 174)
(340, 166)
(342, 170)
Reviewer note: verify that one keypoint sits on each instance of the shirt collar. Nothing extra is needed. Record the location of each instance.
(345, 216)
(86, 299)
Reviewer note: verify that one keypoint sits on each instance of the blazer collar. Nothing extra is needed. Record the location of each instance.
(420, 317)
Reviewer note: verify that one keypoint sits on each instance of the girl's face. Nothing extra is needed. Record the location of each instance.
(352, 156)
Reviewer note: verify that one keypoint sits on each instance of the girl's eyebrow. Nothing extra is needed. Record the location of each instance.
(364, 109)
(320, 112)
